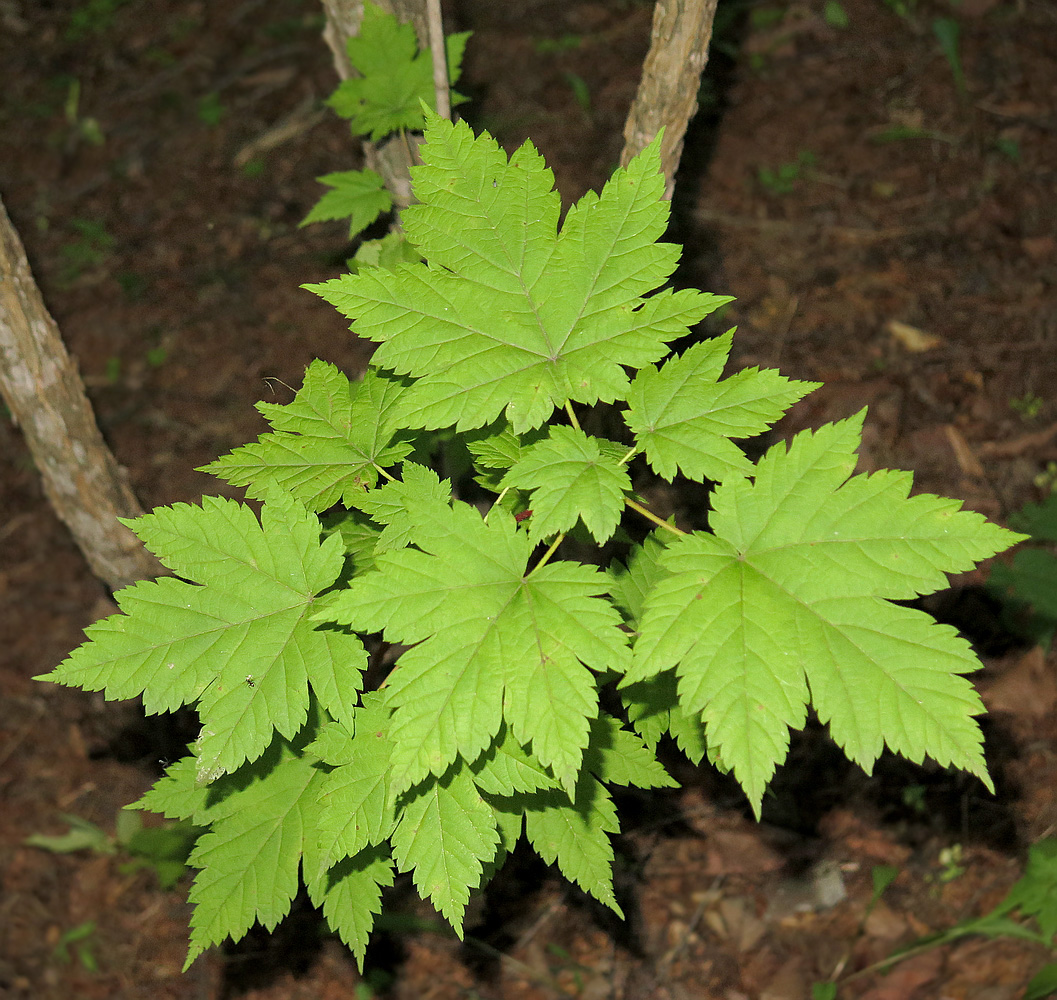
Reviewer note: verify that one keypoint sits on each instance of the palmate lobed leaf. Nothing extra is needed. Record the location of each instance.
(327, 445)
(356, 805)
(395, 77)
(250, 859)
(683, 416)
(509, 315)
(785, 603)
(446, 833)
(574, 835)
(241, 644)
(356, 195)
(494, 643)
(572, 476)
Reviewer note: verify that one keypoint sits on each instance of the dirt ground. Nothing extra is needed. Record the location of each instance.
(885, 230)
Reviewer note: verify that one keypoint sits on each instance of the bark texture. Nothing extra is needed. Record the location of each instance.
(44, 391)
(392, 157)
(671, 76)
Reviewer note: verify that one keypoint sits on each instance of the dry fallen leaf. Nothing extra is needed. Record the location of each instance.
(967, 461)
(913, 339)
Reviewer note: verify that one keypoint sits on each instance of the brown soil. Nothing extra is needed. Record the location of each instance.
(170, 255)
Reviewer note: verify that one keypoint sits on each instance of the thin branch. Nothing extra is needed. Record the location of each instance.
(440, 59)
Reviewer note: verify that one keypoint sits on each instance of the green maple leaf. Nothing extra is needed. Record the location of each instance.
(494, 643)
(352, 897)
(509, 314)
(389, 252)
(356, 195)
(355, 802)
(251, 857)
(652, 705)
(575, 836)
(396, 78)
(499, 448)
(261, 819)
(684, 416)
(240, 644)
(445, 835)
(786, 602)
(327, 445)
(630, 583)
(572, 477)
(396, 504)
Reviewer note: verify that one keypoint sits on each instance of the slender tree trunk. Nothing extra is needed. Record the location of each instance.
(390, 158)
(671, 76)
(44, 391)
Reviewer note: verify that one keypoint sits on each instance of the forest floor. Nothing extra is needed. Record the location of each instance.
(885, 231)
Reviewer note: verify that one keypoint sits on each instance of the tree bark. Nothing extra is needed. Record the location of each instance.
(390, 158)
(671, 76)
(44, 391)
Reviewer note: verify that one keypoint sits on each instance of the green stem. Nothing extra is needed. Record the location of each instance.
(546, 555)
(650, 516)
(498, 501)
(572, 416)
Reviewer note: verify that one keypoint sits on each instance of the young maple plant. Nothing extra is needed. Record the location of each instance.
(489, 641)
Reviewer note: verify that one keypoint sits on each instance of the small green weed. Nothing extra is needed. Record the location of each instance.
(1032, 898)
(1047, 479)
(1009, 148)
(95, 17)
(914, 798)
(951, 860)
(91, 248)
(581, 91)
(761, 18)
(1029, 406)
(900, 133)
(1031, 580)
(948, 32)
(902, 8)
(78, 940)
(253, 169)
(783, 179)
(86, 128)
(210, 109)
(835, 15)
(164, 849)
(156, 357)
(552, 46)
